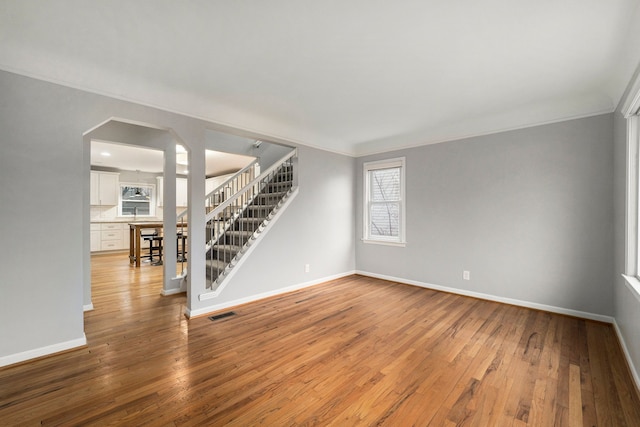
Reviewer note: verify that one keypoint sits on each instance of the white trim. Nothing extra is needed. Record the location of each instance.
(627, 355)
(631, 211)
(250, 248)
(174, 291)
(384, 242)
(125, 121)
(633, 284)
(43, 351)
(99, 125)
(87, 307)
(520, 303)
(152, 203)
(385, 163)
(252, 298)
(398, 162)
(631, 103)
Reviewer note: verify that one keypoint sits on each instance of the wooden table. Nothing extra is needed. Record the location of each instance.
(135, 235)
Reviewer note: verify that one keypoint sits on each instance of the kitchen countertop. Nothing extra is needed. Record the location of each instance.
(125, 220)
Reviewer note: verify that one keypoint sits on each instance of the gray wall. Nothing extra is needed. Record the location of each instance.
(316, 229)
(44, 217)
(267, 153)
(529, 213)
(40, 216)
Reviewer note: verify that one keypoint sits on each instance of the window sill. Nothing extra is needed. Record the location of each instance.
(382, 242)
(633, 284)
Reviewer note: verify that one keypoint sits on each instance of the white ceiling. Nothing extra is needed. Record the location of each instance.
(134, 158)
(355, 76)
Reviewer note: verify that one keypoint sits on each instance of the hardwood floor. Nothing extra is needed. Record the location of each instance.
(354, 351)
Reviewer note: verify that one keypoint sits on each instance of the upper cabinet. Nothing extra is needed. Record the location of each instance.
(181, 192)
(104, 188)
(160, 191)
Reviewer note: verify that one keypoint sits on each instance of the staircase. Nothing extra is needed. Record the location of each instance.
(233, 226)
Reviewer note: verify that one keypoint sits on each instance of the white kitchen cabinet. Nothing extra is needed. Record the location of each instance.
(109, 236)
(94, 237)
(104, 188)
(94, 193)
(160, 191)
(110, 226)
(181, 192)
(125, 236)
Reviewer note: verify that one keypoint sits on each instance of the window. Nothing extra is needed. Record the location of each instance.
(384, 210)
(137, 200)
(631, 111)
(632, 196)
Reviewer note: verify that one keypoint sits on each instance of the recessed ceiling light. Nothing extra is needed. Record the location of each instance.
(105, 154)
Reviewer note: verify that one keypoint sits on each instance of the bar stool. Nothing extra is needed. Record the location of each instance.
(181, 236)
(155, 245)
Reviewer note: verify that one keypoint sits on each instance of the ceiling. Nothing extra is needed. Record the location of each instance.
(355, 77)
(134, 158)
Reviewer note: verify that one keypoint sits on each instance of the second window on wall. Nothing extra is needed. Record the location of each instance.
(384, 200)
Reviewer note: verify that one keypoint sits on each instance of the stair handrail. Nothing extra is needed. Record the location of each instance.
(219, 187)
(231, 178)
(239, 193)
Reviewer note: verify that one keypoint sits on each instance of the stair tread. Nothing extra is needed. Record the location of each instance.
(214, 263)
(241, 232)
(227, 247)
(270, 194)
(261, 206)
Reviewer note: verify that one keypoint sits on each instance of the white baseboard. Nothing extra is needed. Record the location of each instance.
(42, 351)
(87, 307)
(521, 303)
(166, 292)
(234, 303)
(627, 355)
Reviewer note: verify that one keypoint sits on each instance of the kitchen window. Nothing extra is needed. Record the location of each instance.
(384, 202)
(137, 200)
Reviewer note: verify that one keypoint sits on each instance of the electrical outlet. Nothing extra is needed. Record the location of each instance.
(307, 268)
(466, 275)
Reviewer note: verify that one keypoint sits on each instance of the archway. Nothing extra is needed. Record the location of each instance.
(144, 136)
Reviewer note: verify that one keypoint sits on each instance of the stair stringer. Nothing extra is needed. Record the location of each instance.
(240, 258)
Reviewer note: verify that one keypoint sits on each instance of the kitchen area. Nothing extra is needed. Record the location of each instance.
(126, 191)
(120, 198)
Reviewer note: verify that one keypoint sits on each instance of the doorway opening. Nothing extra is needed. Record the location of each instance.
(142, 162)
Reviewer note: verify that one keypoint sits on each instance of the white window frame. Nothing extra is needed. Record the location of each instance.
(152, 202)
(384, 164)
(631, 111)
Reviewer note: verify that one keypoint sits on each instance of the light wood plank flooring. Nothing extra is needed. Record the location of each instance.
(354, 351)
